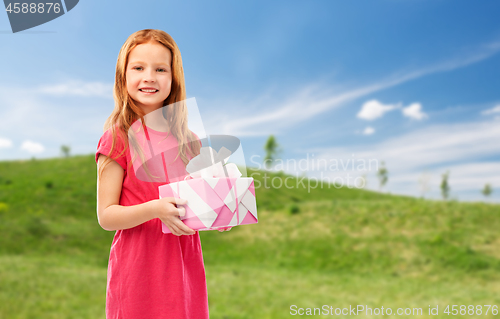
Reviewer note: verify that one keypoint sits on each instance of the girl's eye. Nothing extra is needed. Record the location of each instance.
(140, 67)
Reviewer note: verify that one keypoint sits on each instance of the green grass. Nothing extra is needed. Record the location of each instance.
(50, 287)
(330, 246)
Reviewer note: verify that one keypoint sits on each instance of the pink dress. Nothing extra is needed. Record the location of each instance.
(152, 275)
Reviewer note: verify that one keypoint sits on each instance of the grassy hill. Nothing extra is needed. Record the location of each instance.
(335, 247)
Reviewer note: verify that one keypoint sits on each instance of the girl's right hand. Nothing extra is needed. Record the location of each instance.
(167, 211)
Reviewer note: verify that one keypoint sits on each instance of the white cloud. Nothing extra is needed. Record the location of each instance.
(78, 88)
(369, 130)
(474, 175)
(414, 111)
(493, 110)
(314, 100)
(52, 122)
(465, 179)
(434, 145)
(5, 142)
(32, 147)
(373, 109)
(459, 148)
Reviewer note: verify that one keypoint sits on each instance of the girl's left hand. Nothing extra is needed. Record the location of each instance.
(228, 228)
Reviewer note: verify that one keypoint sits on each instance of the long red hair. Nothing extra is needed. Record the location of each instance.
(127, 112)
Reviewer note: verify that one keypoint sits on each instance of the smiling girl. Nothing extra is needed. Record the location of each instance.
(150, 274)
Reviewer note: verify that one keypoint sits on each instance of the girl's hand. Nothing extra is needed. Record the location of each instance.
(228, 228)
(167, 211)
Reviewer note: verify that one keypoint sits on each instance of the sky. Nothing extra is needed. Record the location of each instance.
(409, 84)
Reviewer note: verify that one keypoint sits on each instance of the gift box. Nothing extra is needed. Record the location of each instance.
(217, 196)
(214, 202)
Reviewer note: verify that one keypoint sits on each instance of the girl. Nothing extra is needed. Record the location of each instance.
(150, 274)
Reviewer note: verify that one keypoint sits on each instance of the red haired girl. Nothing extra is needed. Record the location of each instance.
(150, 274)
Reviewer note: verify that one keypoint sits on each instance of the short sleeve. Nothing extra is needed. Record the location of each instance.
(104, 147)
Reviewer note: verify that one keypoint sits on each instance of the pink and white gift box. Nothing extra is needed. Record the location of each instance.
(214, 202)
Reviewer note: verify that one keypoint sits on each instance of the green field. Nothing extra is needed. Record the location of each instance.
(336, 247)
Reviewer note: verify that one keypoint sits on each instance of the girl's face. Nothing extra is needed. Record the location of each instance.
(149, 75)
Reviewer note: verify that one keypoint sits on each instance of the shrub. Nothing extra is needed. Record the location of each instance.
(37, 227)
(293, 209)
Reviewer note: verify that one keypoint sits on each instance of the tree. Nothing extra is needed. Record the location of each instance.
(271, 148)
(487, 190)
(445, 187)
(424, 183)
(65, 149)
(364, 181)
(382, 175)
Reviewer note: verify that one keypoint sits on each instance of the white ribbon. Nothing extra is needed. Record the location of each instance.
(210, 164)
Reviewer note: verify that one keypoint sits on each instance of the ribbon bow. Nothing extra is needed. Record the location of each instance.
(210, 163)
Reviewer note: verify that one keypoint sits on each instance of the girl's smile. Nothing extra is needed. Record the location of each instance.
(148, 91)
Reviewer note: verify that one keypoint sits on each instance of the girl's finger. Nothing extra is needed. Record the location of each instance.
(174, 229)
(183, 228)
(181, 210)
(225, 228)
(178, 201)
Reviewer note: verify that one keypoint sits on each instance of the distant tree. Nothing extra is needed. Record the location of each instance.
(445, 187)
(272, 149)
(487, 190)
(383, 175)
(364, 181)
(424, 183)
(65, 149)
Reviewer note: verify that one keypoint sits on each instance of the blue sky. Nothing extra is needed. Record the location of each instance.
(413, 83)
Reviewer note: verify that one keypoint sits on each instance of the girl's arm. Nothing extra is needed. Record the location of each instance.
(112, 216)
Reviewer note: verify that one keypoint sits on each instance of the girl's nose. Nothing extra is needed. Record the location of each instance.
(149, 75)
